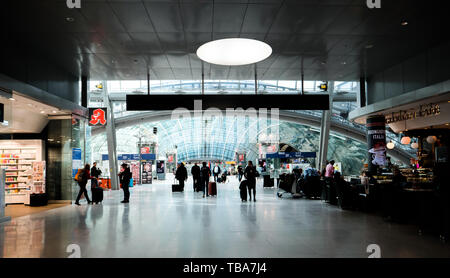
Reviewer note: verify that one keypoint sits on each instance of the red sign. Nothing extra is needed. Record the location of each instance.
(170, 159)
(241, 157)
(145, 150)
(97, 116)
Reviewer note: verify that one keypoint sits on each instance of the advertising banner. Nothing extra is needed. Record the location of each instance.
(160, 166)
(76, 161)
(146, 172)
(376, 141)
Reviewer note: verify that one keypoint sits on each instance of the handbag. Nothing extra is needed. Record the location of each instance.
(176, 186)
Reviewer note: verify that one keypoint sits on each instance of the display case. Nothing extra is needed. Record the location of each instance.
(17, 158)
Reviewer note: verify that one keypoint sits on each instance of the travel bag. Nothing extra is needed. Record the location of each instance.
(243, 190)
(97, 194)
(176, 187)
(212, 188)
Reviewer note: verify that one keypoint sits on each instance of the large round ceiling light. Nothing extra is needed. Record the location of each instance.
(234, 52)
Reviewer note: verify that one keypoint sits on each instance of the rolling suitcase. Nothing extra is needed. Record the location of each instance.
(243, 190)
(212, 188)
(97, 195)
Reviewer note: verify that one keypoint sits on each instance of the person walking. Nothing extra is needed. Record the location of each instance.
(125, 177)
(195, 171)
(216, 172)
(181, 175)
(250, 175)
(84, 176)
(205, 173)
(240, 172)
(95, 172)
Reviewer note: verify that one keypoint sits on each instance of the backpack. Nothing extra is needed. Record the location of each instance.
(79, 175)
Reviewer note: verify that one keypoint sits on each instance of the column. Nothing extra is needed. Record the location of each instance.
(325, 130)
(111, 139)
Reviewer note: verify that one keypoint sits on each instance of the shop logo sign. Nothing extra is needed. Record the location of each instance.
(374, 4)
(71, 4)
(97, 116)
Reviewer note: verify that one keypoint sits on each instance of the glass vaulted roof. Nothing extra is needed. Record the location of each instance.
(220, 139)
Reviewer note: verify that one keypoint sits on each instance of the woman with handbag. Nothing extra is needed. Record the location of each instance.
(82, 179)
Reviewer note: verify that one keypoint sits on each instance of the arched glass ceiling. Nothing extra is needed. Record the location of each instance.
(217, 141)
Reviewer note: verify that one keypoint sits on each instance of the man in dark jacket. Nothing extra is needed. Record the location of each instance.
(250, 174)
(181, 175)
(125, 177)
(205, 173)
(195, 171)
(95, 172)
(240, 172)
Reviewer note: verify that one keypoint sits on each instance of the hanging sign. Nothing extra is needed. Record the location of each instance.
(97, 116)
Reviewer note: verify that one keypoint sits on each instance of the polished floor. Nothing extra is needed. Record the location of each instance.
(18, 210)
(159, 223)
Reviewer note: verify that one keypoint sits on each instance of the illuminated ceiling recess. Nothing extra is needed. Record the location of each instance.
(234, 52)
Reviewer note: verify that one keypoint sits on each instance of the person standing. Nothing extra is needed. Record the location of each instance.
(205, 173)
(95, 172)
(329, 171)
(181, 175)
(84, 176)
(125, 177)
(216, 172)
(240, 172)
(195, 171)
(250, 175)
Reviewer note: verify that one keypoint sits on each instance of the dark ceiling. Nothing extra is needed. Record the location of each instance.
(326, 40)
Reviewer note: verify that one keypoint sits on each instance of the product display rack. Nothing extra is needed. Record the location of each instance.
(17, 162)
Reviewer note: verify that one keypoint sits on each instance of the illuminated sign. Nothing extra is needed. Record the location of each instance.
(423, 111)
(97, 116)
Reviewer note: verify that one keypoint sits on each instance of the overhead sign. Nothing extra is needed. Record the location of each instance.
(292, 155)
(97, 116)
(147, 156)
(223, 102)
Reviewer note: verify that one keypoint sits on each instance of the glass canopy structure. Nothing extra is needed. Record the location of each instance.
(222, 138)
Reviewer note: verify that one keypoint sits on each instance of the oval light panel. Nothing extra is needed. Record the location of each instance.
(234, 52)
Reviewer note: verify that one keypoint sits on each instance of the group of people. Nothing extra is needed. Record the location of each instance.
(88, 173)
(201, 177)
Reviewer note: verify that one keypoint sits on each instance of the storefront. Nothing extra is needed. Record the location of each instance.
(37, 146)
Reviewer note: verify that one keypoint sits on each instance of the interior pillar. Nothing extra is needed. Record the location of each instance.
(111, 139)
(325, 130)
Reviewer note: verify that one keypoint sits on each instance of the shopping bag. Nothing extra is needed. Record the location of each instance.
(131, 182)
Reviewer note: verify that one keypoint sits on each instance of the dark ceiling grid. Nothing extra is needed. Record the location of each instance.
(268, 31)
(184, 37)
(239, 35)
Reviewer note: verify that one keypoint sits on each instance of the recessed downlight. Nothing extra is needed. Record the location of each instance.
(234, 52)
(12, 99)
(42, 111)
(404, 23)
(70, 19)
